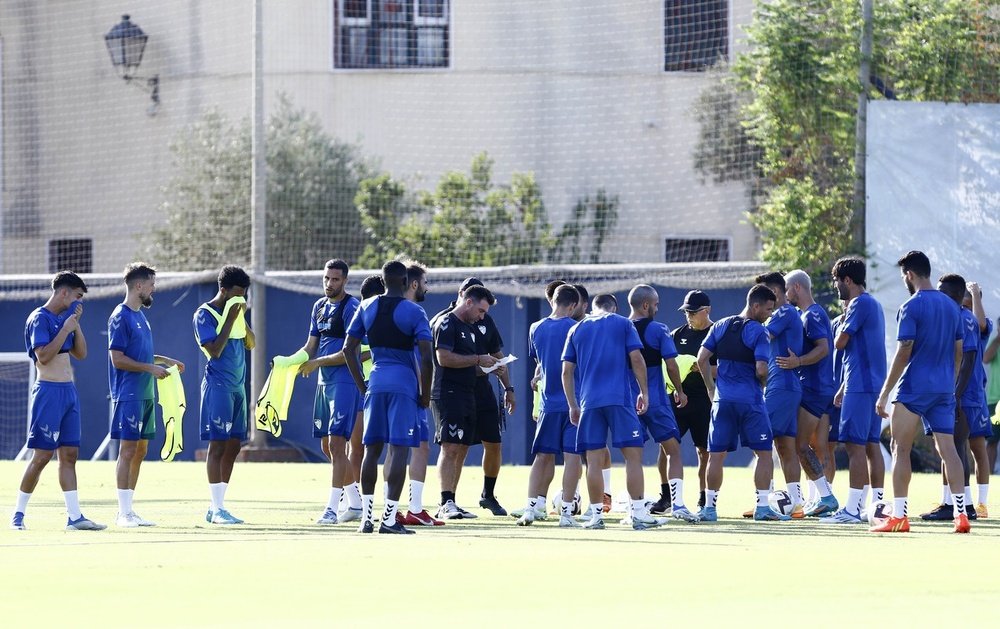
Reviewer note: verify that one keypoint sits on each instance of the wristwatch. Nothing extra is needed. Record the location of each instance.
(509, 389)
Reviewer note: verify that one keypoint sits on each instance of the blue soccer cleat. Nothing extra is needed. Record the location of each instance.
(767, 514)
(843, 516)
(708, 514)
(224, 517)
(17, 522)
(827, 505)
(83, 524)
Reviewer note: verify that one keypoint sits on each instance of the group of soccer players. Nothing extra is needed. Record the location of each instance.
(777, 376)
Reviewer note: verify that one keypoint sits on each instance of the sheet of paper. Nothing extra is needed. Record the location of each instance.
(506, 360)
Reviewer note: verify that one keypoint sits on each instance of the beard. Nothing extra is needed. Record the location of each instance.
(147, 301)
(842, 292)
(909, 286)
(420, 296)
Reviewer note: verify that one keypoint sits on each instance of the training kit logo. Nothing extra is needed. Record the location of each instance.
(635, 433)
(683, 342)
(410, 433)
(318, 423)
(763, 437)
(116, 322)
(337, 418)
(482, 330)
(455, 431)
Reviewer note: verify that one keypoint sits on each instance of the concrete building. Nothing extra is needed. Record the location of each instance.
(585, 94)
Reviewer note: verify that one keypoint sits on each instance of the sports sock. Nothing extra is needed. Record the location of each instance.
(532, 503)
(335, 494)
(638, 508)
(945, 495)
(567, 509)
(416, 496)
(389, 516)
(124, 502)
(368, 507)
(353, 492)
(541, 503)
(813, 491)
(446, 496)
(968, 495)
(222, 495)
(795, 491)
(489, 484)
(22, 502)
(664, 489)
(606, 473)
(676, 486)
(762, 497)
(863, 500)
(853, 503)
(131, 500)
(217, 495)
(770, 486)
(984, 491)
(823, 487)
(701, 498)
(385, 490)
(711, 497)
(878, 493)
(899, 507)
(72, 504)
(959, 506)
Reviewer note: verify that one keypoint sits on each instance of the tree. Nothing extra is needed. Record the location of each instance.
(470, 220)
(312, 181)
(784, 120)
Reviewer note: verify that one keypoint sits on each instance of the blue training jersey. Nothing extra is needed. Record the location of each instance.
(599, 346)
(42, 326)
(933, 321)
(229, 370)
(837, 365)
(817, 378)
(546, 339)
(785, 328)
(657, 337)
(393, 369)
(975, 392)
(737, 380)
(328, 322)
(130, 334)
(864, 356)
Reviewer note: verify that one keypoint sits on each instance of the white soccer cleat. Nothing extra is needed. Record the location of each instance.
(567, 522)
(141, 520)
(527, 518)
(83, 524)
(329, 517)
(349, 514)
(126, 521)
(683, 513)
(644, 521)
(587, 515)
(594, 524)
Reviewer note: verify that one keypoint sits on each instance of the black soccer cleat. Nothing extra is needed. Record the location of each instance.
(661, 506)
(942, 513)
(395, 529)
(492, 504)
(970, 512)
(366, 527)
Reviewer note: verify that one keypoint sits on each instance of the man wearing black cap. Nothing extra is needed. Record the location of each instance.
(695, 416)
(487, 429)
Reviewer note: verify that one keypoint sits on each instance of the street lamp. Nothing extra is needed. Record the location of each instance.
(126, 43)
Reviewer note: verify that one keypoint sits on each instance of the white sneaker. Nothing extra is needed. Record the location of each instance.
(567, 522)
(142, 521)
(126, 521)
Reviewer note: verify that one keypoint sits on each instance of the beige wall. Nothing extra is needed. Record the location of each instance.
(570, 89)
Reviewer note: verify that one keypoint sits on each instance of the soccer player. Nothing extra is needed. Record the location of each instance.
(693, 417)
(52, 334)
(927, 356)
(602, 348)
(862, 339)
(416, 291)
(980, 426)
(488, 421)
(991, 358)
(658, 348)
(393, 326)
(830, 421)
(131, 370)
(554, 432)
(970, 396)
(783, 393)
(453, 399)
(815, 368)
(337, 400)
(224, 337)
(738, 411)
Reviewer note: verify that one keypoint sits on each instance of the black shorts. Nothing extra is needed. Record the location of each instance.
(455, 418)
(695, 417)
(487, 412)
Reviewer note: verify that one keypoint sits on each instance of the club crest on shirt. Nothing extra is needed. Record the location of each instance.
(482, 329)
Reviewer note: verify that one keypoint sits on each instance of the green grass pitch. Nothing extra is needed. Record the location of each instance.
(282, 570)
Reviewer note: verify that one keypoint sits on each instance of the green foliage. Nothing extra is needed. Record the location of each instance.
(784, 121)
(470, 220)
(592, 222)
(311, 184)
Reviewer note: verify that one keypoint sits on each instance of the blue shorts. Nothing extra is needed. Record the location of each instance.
(936, 410)
(133, 420)
(783, 411)
(979, 423)
(554, 434)
(55, 416)
(833, 412)
(739, 422)
(223, 413)
(334, 409)
(623, 422)
(816, 403)
(422, 426)
(661, 424)
(859, 422)
(391, 418)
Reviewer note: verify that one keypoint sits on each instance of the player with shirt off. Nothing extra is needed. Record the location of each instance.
(926, 361)
(131, 371)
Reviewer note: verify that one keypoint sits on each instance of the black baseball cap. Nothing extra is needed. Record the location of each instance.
(470, 282)
(695, 300)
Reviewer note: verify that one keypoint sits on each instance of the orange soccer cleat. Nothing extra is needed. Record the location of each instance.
(894, 525)
(606, 503)
(962, 523)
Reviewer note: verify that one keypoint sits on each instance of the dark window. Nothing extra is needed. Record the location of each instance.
(386, 34)
(695, 33)
(71, 254)
(697, 250)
